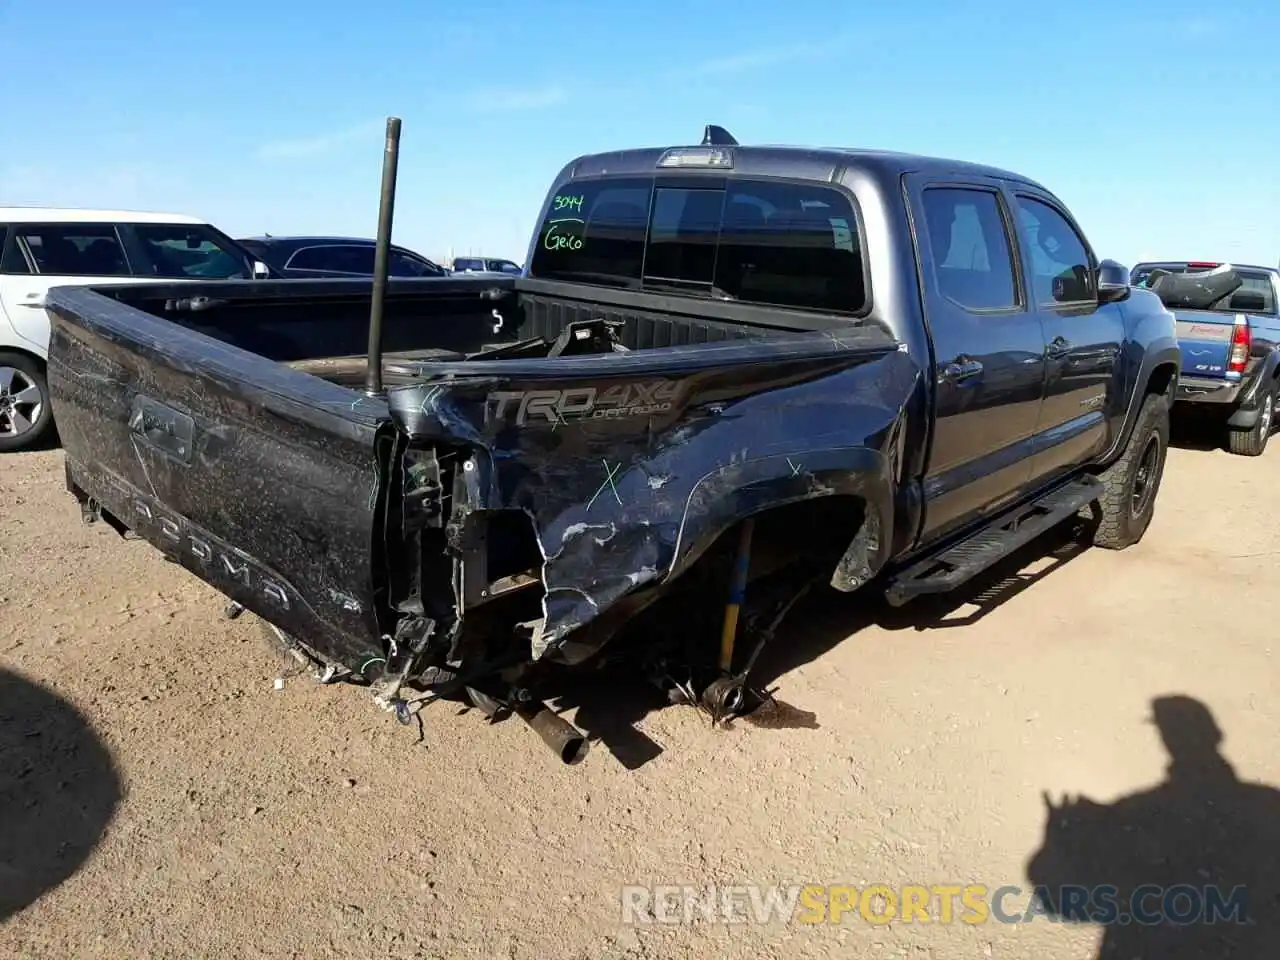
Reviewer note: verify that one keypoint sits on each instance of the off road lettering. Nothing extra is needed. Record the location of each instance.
(551, 407)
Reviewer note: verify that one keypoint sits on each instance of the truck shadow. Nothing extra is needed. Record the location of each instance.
(611, 704)
(59, 788)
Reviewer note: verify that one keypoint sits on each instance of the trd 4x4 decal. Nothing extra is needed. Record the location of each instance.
(583, 403)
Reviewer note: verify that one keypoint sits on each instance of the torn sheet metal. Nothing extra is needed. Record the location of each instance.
(631, 465)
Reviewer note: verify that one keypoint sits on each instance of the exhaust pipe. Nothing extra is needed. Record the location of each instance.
(724, 697)
(566, 741)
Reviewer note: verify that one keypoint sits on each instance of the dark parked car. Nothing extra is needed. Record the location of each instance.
(335, 256)
(484, 265)
(731, 372)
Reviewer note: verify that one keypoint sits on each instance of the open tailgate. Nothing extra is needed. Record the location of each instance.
(261, 480)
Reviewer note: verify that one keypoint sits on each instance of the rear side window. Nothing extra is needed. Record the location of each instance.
(765, 242)
(74, 250)
(972, 257)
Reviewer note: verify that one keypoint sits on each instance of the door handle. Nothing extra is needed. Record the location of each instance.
(961, 369)
(1058, 347)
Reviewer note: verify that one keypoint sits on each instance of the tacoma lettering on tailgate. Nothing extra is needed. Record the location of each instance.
(222, 564)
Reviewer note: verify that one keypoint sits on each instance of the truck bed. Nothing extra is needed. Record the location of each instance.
(225, 424)
(320, 327)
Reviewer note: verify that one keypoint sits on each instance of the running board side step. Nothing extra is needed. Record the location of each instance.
(953, 566)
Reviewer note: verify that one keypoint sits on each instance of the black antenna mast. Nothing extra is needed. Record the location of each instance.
(381, 257)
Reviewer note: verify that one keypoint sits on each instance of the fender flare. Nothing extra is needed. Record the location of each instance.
(1162, 351)
(750, 487)
(1245, 414)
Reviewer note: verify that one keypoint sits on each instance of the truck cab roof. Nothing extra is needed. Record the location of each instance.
(809, 163)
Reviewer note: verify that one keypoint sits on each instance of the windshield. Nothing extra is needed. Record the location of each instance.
(757, 241)
(178, 251)
(1256, 294)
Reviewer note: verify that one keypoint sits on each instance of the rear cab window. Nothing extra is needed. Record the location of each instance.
(772, 243)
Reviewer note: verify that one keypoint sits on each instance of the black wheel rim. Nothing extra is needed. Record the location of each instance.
(1145, 478)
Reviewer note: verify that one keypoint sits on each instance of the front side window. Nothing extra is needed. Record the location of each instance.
(403, 265)
(74, 250)
(185, 251)
(1060, 268)
(765, 242)
(972, 256)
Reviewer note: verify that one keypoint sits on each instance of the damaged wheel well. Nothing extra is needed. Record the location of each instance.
(816, 531)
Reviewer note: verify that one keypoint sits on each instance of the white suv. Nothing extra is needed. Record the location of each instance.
(43, 247)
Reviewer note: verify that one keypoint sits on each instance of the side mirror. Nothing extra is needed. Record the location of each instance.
(1113, 281)
(1072, 285)
(260, 270)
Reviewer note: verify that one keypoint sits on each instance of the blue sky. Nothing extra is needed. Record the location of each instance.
(1155, 122)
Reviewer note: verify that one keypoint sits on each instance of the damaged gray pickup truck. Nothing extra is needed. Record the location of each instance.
(725, 367)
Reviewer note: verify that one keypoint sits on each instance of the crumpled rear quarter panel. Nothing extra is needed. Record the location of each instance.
(623, 499)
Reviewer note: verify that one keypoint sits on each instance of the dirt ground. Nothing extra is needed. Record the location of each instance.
(159, 797)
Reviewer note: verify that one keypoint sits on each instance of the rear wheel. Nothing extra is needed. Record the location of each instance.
(25, 414)
(1251, 442)
(1129, 502)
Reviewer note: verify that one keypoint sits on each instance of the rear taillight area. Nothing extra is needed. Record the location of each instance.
(1241, 344)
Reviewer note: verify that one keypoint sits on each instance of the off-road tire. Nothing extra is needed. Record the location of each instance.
(32, 373)
(1132, 483)
(1251, 442)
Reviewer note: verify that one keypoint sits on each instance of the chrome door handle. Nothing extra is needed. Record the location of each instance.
(958, 370)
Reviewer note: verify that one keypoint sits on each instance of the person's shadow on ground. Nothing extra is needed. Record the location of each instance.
(59, 788)
(1188, 869)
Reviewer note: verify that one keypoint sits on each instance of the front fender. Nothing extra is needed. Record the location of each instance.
(1159, 350)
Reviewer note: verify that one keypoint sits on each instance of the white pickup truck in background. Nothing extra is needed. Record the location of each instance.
(43, 247)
